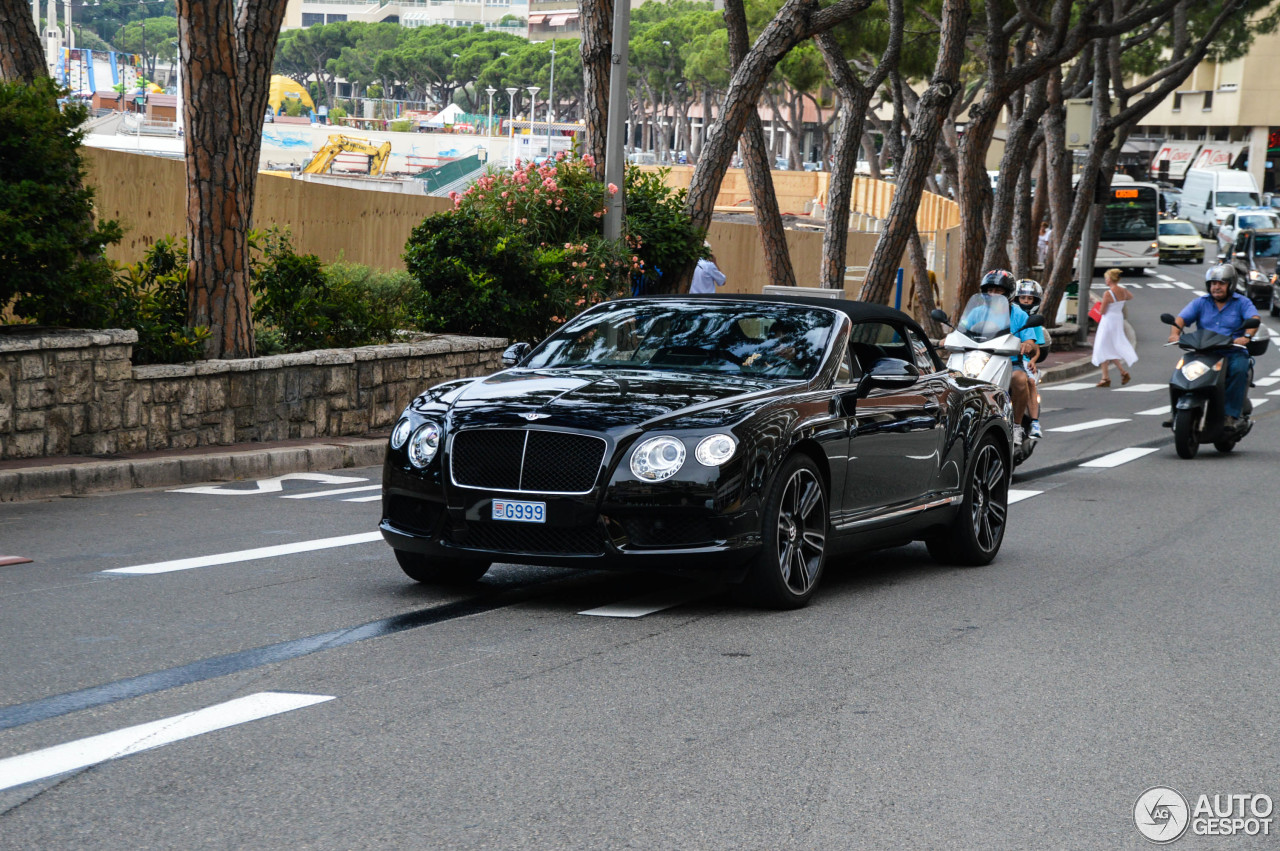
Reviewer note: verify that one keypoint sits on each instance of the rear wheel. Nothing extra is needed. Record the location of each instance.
(1184, 434)
(794, 546)
(440, 571)
(975, 535)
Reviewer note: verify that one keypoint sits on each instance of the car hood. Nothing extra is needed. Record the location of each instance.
(1265, 265)
(593, 399)
(1179, 241)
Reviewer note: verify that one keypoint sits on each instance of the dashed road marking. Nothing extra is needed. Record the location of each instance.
(645, 605)
(1184, 286)
(374, 498)
(1152, 412)
(332, 492)
(1141, 388)
(1020, 495)
(1163, 277)
(1124, 456)
(82, 753)
(1257, 402)
(244, 555)
(1090, 424)
(1267, 382)
(1153, 285)
(1068, 387)
(1135, 286)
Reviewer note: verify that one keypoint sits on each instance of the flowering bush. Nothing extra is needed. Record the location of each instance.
(524, 250)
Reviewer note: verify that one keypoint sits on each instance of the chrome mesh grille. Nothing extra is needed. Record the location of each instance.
(526, 460)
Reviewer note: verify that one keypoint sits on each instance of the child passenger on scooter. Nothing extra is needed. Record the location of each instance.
(1028, 294)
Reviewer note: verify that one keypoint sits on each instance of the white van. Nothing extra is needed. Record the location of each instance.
(1208, 194)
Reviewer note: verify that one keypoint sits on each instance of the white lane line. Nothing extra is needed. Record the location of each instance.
(244, 555)
(331, 493)
(1141, 388)
(1151, 412)
(1275, 372)
(1090, 424)
(1124, 456)
(82, 753)
(1135, 286)
(1184, 286)
(1068, 387)
(1257, 402)
(1154, 286)
(1267, 382)
(1274, 393)
(373, 498)
(1020, 495)
(1163, 277)
(1097, 286)
(646, 605)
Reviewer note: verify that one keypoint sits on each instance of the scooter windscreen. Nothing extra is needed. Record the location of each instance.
(984, 317)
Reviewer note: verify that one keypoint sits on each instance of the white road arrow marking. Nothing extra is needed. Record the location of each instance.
(272, 485)
(333, 492)
(82, 753)
(244, 555)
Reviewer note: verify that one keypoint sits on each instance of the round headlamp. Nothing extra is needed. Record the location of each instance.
(1194, 370)
(657, 458)
(424, 444)
(715, 450)
(400, 433)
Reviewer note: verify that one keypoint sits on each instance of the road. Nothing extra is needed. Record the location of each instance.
(180, 672)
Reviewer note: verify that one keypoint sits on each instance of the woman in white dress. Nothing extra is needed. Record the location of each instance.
(1110, 345)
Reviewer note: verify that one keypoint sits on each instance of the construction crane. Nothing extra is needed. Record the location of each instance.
(378, 156)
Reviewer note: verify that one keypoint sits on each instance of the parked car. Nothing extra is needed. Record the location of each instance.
(751, 438)
(1179, 242)
(1209, 194)
(1245, 218)
(1254, 257)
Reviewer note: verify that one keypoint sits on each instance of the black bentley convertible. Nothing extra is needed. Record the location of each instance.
(755, 437)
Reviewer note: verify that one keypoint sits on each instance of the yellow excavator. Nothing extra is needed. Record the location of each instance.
(378, 156)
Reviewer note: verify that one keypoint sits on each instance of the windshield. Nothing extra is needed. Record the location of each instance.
(1177, 229)
(984, 317)
(1255, 220)
(1266, 245)
(1237, 199)
(1131, 214)
(783, 341)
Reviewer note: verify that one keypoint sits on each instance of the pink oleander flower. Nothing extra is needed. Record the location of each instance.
(588, 160)
(613, 189)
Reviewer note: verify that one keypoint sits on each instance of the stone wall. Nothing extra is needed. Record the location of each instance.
(76, 392)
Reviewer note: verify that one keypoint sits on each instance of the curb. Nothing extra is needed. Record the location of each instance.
(91, 477)
(1068, 370)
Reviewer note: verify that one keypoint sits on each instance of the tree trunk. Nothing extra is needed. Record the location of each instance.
(935, 103)
(226, 58)
(1016, 149)
(1023, 231)
(755, 156)
(21, 54)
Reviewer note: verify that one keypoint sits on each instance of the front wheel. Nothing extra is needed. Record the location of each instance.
(794, 541)
(440, 571)
(1184, 433)
(1225, 445)
(975, 535)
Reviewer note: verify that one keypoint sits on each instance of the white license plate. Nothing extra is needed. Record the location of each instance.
(524, 512)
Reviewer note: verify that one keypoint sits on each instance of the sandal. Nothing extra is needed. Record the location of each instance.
(1106, 382)
(1124, 378)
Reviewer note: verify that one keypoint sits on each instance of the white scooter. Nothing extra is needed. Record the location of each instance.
(980, 346)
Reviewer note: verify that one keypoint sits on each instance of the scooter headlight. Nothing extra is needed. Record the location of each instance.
(975, 362)
(1194, 370)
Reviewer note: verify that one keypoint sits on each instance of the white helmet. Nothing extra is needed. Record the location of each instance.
(1026, 286)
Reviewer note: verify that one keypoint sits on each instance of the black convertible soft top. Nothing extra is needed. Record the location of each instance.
(856, 310)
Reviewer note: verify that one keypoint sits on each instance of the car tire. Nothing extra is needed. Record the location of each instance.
(430, 570)
(793, 547)
(1275, 308)
(975, 534)
(1184, 436)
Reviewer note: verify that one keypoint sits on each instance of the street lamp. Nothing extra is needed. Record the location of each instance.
(533, 95)
(551, 87)
(511, 125)
(489, 127)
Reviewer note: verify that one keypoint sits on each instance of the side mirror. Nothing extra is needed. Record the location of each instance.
(1167, 319)
(515, 353)
(940, 316)
(1222, 258)
(890, 374)
(1036, 320)
(1251, 323)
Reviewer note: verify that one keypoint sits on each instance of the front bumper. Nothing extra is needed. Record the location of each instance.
(1182, 255)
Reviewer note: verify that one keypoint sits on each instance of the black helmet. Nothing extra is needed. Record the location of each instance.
(1001, 278)
(1032, 288)
(1222, 272)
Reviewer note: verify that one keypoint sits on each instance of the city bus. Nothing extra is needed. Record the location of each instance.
(1129, 226)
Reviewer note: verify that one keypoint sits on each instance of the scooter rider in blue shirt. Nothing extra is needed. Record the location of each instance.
(1028, 296)
(1223, 311)
(1001, 282)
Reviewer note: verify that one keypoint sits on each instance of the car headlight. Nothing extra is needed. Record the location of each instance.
(1194, 370)
(400, 433)
(715, 450)
(424, 444)
(975, 362)
(657, 458)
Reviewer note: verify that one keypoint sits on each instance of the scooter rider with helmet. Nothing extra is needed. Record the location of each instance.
(1224, 311)
(1028, 295)
(1001, 282)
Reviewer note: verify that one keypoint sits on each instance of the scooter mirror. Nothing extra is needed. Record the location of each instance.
(1251, 323)
(939, 316)
(1167, 319)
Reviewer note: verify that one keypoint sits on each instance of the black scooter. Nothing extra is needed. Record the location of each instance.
(1198, 387)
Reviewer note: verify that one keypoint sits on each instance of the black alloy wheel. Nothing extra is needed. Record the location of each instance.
(1184, 433)
(440, 571)
(794, 543)
(976, 532)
